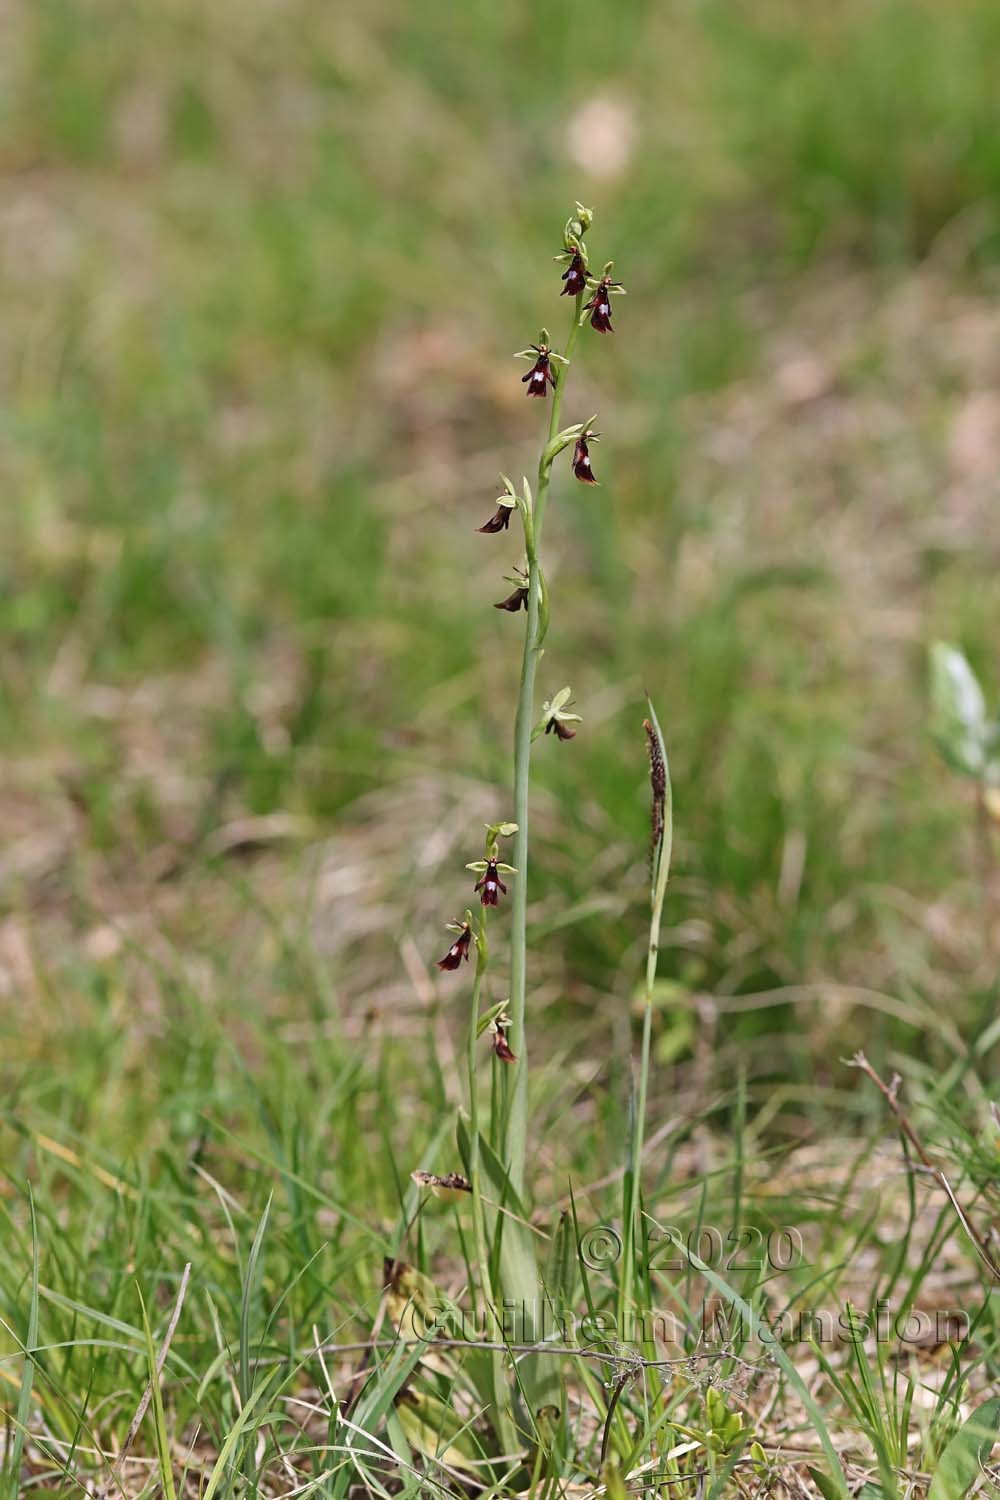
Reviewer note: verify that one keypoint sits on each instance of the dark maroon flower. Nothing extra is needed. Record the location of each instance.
(490, 884)
(581, 458)
(540, 375)
(514, 601)
(557, 727)
(600, 305)
(500, 521)
(458, 950)
(575, 276)
(501, 1046)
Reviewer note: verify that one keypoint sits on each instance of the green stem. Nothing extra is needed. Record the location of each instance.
(652, 956)
(505, 1426)
(517, 1116)
(631, 1225)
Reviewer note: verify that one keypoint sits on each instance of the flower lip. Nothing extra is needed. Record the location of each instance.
(498, 522)
(501, 1046)
(458, 950)
(575, 276)
(581, 457)
(515, 601)
(599, 305)
(490, 885)
(540, 376)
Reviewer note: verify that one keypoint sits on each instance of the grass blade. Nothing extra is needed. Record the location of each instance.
(13, 1465)
(159, 1417)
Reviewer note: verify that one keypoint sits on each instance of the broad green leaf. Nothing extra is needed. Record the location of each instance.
(958, 711)
(824, 1484)
(613, 1479)
(962, 1461)
(520, 1283)
(434, 1429)
(414, 1303)
(561, 1265)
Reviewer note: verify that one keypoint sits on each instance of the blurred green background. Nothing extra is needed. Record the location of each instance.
(263, 265)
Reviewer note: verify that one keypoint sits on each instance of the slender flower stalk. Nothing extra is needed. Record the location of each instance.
(514, 1273)
(534, 635)
(505, 1425)
(517, 1117)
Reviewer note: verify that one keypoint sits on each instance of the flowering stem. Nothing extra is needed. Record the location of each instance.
(517, 1114)
(504, 1423)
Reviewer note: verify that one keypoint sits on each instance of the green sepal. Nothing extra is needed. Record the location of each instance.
(489, 1016)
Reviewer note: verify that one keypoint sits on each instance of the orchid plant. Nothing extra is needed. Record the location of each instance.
(503, 1258)
(529, 593)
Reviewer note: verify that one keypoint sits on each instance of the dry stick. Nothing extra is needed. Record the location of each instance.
(616, 1394)
(602, 1356)
(889, 1092)
(147, 1394)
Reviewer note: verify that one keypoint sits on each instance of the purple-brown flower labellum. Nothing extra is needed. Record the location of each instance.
(490, 884)
(458, 950)
(501, 1046)
(581, 460)
(540, 375)
(500, 521)
(557, 727)
(575, 276)
(599, 305)
(514, 601)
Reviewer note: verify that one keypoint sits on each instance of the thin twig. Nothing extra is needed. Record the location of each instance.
(890, 1093)
(602, 1355)
(616, 1395)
